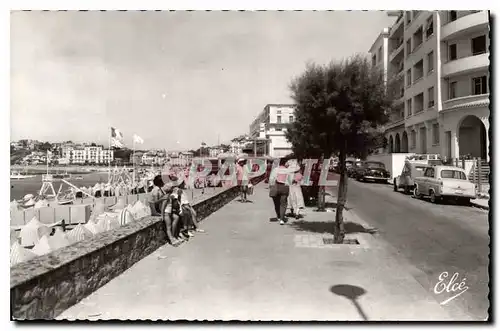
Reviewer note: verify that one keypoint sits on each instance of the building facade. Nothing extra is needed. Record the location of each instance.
(437, 69)
(86, 154)
(271, 125)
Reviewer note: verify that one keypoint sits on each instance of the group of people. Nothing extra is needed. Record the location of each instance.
(286, 191)
(172, 204)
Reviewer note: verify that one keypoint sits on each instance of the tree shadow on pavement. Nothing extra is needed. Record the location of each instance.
(327, 227)
(351, 293)
(333, 205)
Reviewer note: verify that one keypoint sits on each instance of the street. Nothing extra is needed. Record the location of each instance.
(432, 238)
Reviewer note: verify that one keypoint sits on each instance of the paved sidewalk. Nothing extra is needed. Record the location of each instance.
(247, 268)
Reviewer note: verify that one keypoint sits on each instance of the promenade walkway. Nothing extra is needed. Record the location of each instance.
(247, 268)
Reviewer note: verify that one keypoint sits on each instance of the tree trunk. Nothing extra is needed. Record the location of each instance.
(321, 189)
(339, 231)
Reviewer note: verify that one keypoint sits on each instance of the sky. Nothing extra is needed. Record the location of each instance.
(176, 79)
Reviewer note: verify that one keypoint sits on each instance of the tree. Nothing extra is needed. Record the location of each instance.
(340, 109)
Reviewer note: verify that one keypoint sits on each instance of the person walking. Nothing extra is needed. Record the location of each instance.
(296, 198)
(242, 180)
(279, 190)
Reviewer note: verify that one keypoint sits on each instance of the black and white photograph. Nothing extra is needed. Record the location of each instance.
(251, 165)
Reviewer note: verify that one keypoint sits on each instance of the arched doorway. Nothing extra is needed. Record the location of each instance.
(397, 144)
(472, 137)
(404, 145)
(391, 145)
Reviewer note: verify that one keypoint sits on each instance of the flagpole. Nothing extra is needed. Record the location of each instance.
(133, 160)
(109, 155)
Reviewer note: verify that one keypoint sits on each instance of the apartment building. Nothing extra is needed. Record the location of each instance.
(86, 154)
(270, 127)
(437, 69)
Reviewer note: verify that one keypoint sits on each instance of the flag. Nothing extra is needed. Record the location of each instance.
(138, 140)
(116, 138)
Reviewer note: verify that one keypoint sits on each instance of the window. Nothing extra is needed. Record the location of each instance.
(418, 38)
(418, 70)
(408, 77)
(429, 172)
(413, 136)
(452, 93)
(278, 128)
(290, 118)
(408, 47)
(374, 60)
(435, 133)
(452, 52)
(453, 15)
(429, 29)
(454, 174)
(479, 45)
(408, 106)
(379, 55)
(479, 85)
(419, 103)
(430, 97)
(278, 119)
(430, 62)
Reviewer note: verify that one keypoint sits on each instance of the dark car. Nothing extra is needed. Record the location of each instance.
(372, 171)
(352, 170)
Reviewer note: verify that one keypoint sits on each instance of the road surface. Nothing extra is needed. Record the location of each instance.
(433, 238)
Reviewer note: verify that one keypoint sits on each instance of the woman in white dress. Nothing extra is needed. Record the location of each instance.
(296, 198)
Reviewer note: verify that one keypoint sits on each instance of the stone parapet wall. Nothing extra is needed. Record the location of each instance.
(44, 287)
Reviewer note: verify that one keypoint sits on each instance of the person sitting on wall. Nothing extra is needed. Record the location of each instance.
(157, 196)
(171, 213)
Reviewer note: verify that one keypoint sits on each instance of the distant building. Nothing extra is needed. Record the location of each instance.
(180, 158)
(153, 158)
(86, 154)
(215, 151)
(271, 125)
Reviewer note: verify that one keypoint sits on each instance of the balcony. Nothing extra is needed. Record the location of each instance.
(467, 101)
(399, 48)
(465, 25)
(466, 65)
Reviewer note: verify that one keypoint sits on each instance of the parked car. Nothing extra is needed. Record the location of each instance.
(406, 180)
(351, 171)
(444, 182)
(373, 171)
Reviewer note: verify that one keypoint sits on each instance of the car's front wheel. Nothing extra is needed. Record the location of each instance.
(416, 193)
(434, 198)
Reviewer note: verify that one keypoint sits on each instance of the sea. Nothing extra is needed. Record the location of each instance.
(20, 187)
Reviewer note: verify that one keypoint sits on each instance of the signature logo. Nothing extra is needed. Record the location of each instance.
(450, 286)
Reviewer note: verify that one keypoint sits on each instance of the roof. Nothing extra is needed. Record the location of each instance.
(384, 33)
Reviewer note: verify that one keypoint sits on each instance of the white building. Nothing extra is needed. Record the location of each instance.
(87, 154)
(271, 125)
(442, 104)
(180, 158)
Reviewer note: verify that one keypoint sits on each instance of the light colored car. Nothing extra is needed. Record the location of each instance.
(406, 180)
(440, 182)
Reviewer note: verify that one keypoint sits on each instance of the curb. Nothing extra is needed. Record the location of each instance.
(480, 206)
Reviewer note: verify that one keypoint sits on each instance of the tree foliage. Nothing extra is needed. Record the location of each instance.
(340, 109)
(339, 106)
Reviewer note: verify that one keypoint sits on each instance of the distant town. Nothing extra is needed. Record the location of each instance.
(266, 137)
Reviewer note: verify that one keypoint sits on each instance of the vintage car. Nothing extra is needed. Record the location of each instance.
(351, 171)
(372, 171)
(444, 182)
(406, 180)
